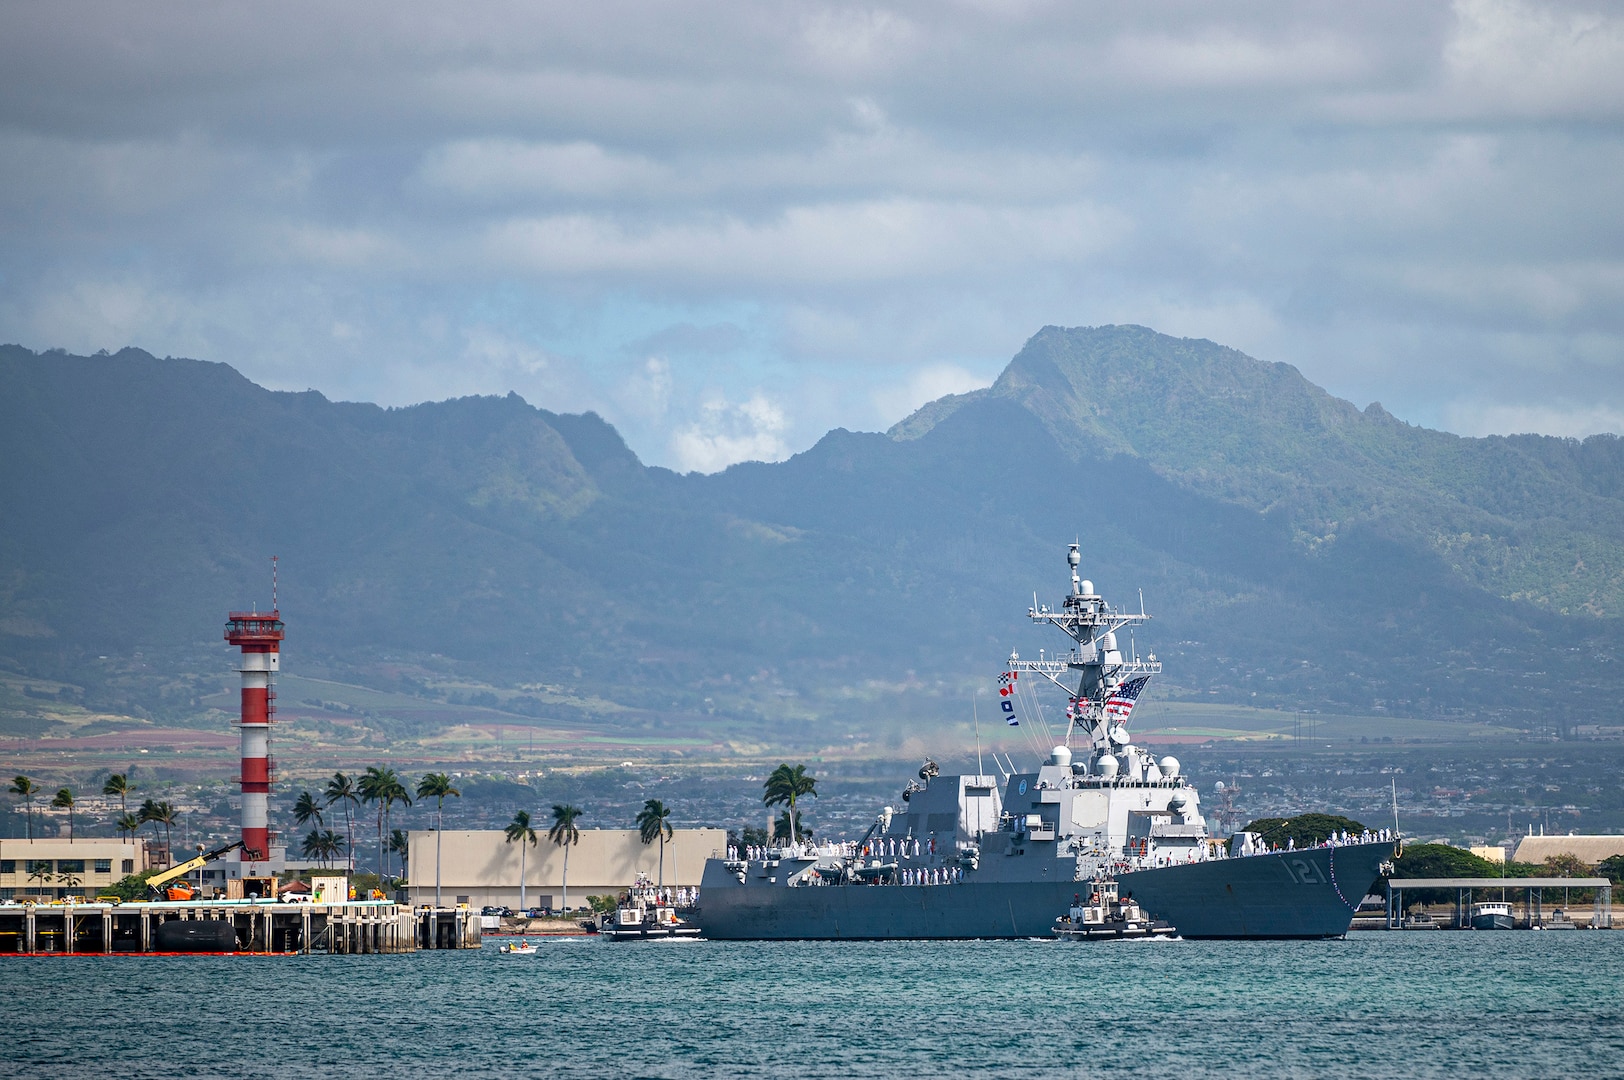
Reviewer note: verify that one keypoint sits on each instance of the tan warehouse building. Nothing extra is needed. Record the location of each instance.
(1589, 850)
(60, 867)
(480, 868)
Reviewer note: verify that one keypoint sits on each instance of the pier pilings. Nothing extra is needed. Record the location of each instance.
(355, 928)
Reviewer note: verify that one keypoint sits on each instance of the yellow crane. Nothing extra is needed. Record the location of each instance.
(182, 890)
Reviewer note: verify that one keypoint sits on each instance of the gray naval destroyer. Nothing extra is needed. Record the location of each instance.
(979, 856)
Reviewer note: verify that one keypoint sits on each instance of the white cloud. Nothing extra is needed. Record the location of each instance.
(825, 243)
(724, 433)
(634, 207)
(505, 168)
(922, 385)
(1575, 419)
(344, 248)
(1537, 59)
(1226, 59)
(646, 393)
(487, 348)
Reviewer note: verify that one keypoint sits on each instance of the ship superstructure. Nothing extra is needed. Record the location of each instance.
(971, 856)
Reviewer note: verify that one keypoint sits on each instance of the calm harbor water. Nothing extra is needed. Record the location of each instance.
(1376, 1004)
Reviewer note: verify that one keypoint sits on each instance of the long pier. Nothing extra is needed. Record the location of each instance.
(1532, 889)
(356, 927)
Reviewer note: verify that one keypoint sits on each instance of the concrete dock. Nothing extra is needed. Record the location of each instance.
(355, 927)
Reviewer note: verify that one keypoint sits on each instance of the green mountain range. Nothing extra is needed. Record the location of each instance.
(1298, 552)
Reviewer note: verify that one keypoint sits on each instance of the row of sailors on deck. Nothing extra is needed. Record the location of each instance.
(1344, 837)
(891, 847)
(931, 875)
(761, 853)
(880, 847)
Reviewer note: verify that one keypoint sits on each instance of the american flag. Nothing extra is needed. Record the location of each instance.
(1121, 701)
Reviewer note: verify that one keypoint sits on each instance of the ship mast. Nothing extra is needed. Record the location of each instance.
(1095, 664)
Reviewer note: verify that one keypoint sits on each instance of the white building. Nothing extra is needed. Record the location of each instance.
(58, 866)
(480, 868)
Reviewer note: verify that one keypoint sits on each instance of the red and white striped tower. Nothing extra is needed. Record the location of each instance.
(259, 635)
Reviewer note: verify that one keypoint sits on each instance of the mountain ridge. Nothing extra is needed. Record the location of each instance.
(1204, 414)
(1301, 552)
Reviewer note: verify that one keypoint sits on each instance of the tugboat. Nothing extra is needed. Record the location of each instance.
(1492, 915)
(643, 914)
(999, 856)
(1106, 915)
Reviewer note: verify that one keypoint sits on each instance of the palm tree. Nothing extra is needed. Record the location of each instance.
(395, 792)
(383, 787)
(148, 815)
(25, 787)
(127, 823)
(781, 828)
(160, 813)
(311, 848)
(564, 834)
(400, 844)
(119, 784)
(654, 823)
(305, 809)
(332, 844)
(323, 845)
(520, 832)
(786, 785)
(437, 786)
(341, 789)
(64, 801)
(40, 870)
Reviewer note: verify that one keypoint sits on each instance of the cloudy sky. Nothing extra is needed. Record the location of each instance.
(729, 227)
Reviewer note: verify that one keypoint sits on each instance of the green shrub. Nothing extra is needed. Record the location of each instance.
(1306, 829)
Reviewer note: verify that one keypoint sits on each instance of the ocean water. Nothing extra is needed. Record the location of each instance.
(1377, 1004)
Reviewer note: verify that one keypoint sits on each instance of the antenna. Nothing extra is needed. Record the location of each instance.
(1394, 782)
(976, 717)
(274, 608)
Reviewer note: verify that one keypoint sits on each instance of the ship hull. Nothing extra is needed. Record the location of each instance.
(1311, 893)
(1301, 894)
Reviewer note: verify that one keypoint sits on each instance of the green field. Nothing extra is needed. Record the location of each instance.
(1262, 725)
